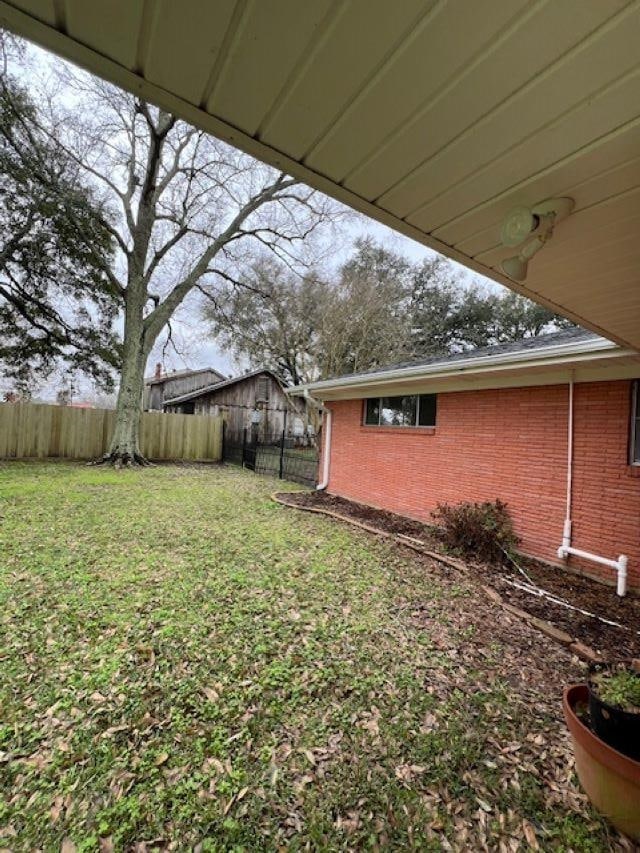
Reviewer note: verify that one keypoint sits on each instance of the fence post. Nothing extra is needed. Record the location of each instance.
(244, 445)
(281, 455)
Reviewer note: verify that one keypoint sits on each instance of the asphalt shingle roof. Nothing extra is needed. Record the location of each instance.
(541, 342)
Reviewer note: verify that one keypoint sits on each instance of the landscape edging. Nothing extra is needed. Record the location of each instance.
(575, 645)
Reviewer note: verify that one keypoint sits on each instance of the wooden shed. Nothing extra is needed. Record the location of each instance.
(164, 386)
(256, 401)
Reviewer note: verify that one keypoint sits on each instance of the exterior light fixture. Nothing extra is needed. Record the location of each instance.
(536, 222)
(517, 226)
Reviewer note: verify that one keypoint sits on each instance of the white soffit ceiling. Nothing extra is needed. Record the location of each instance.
(435, 117)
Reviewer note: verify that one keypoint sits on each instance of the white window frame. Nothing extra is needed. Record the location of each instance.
(416, 425)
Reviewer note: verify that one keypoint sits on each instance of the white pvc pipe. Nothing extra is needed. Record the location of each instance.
(566, 532)
(620, 565)
(326, 455)
(621, 588)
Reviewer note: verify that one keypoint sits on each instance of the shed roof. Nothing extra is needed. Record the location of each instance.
(226, 383)
(181, 374)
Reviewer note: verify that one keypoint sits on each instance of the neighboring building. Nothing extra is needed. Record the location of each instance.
(163, 386)
(496, 423)
(255, 400)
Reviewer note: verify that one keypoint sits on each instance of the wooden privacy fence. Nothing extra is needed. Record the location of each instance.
(37, 430)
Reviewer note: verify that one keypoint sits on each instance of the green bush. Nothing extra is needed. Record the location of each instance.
(620, 688)
(483, 531)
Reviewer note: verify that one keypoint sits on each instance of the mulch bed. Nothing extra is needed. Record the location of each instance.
(581, 592)
(577, 590)
(388, 521)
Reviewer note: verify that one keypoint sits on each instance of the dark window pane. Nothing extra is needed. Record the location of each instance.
(636, 449)
(372, 412)
(427, 410)
(398, 411)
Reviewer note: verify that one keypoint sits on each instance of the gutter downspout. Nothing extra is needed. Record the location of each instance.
(326, 451)
(620, 565)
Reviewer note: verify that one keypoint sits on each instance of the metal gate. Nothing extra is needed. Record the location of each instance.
(249, 452)
(278, 455)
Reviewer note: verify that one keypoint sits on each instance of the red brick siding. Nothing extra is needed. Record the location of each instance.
(511, 444)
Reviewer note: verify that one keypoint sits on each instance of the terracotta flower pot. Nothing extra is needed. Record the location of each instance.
(610, 779)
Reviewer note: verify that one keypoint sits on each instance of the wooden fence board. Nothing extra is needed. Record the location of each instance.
(37, 430)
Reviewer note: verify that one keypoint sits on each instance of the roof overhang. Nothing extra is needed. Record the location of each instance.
(598, 360)
(433, 117)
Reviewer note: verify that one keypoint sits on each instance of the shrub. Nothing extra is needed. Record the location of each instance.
(483, 531)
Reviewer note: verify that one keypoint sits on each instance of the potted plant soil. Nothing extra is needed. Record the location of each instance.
(614, 705)
(603, 717)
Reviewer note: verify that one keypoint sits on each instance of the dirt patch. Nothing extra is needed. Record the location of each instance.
(579, 591)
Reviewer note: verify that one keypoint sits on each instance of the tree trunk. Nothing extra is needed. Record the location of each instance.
(125, 448)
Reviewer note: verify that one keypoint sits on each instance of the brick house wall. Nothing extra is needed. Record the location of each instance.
(510, 444)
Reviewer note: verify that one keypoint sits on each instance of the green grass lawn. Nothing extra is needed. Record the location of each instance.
(184, 663)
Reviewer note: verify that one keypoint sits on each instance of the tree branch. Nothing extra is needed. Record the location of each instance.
(159, 316)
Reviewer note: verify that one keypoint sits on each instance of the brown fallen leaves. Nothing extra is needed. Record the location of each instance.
(408, 772)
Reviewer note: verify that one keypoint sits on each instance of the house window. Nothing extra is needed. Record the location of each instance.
(634, 444)
(407, 411)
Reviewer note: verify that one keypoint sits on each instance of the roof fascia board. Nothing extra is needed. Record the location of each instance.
(481, 382)
(68, 48)
(562, 354)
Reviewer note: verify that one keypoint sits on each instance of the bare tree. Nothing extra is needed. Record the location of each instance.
(311, 326)
(272, 318)
(182, 209)
(376, 309)
(366, 323)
